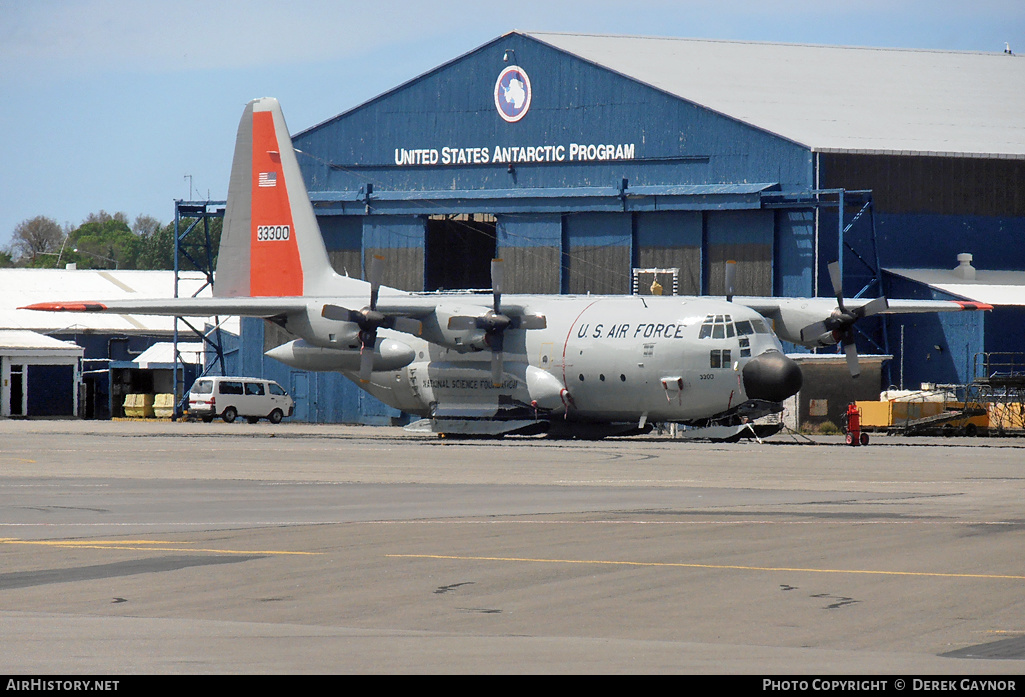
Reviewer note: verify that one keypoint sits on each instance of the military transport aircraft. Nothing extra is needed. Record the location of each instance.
(494, 364)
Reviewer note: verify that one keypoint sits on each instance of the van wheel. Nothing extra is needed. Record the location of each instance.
(229, 415)
(275, 416)
(207, 419)
(253, 419)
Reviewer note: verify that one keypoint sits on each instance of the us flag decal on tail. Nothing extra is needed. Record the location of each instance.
(268, 179)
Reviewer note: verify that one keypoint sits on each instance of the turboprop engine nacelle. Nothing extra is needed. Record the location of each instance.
(323, 332)
(440, 328)
(389, 354)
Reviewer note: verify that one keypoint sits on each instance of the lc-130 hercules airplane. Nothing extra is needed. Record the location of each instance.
(493, 364)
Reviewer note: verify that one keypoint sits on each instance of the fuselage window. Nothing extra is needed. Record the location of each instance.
(719, 358)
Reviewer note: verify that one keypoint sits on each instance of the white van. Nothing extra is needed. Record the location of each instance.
(231, 397)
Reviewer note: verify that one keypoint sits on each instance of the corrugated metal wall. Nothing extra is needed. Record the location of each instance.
(343, 237)
(930, 209)
(400, 240)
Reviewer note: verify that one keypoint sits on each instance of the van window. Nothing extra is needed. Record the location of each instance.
(275, 388)
(254, 389)
(230, 388)
(203, 387)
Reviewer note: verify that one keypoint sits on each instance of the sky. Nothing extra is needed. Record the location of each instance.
(128, 105)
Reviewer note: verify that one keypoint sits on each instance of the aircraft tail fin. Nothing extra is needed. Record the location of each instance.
(271, 243)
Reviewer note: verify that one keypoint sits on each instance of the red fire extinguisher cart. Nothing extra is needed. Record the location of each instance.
(852, 426)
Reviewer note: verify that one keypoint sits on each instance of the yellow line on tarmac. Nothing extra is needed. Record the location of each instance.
(147, 546)
(711, 566)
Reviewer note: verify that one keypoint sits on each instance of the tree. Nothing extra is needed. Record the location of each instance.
(145, 226)
(34, 238)
(104, 242)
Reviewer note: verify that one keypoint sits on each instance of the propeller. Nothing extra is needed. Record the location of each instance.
(494, 322)
(370, 319)
(840, 324)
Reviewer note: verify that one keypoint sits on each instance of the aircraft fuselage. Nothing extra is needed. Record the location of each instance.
(600, 358)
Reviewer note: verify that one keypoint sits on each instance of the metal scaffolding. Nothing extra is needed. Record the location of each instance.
(856, 246)
(194, 244)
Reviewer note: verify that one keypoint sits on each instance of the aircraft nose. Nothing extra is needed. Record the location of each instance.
(772, 376)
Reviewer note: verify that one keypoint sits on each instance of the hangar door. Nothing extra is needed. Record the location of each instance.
(459, 250)
(51, 390)
(671, 240)
(530, 244)
(745, 237)
(597, 251)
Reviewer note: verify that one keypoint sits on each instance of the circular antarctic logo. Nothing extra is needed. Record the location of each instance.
(512, 93)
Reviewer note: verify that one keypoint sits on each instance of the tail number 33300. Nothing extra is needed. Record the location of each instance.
(272, 233)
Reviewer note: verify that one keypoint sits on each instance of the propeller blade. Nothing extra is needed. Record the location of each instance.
(837, 280)
(337, 313)
(529, 322)
(496, 282)
(731, 279)
(851, 352)
(406, 325)
(496, 368)
(813, 331)
(462, 323)
(366, 362)
(876, 306)
(374, 276)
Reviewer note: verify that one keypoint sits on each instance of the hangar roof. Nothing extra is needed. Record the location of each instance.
(20, 287)
(832, 98)
(15, 340)
(990, 287)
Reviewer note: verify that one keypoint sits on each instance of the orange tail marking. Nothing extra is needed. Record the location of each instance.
(275, 265)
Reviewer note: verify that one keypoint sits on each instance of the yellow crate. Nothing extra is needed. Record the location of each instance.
(875, 414)
(163, 405)
(139, 405)
(1009, 417)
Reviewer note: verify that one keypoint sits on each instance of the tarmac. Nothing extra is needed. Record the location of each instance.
(140, 548)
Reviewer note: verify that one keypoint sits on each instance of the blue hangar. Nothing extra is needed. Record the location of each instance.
(580, 158)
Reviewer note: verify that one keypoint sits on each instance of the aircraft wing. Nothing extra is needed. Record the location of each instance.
(181, 307)
(792, 315)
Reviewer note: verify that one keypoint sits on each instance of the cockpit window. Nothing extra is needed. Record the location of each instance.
(744, 328)
(717, 327)
(760, 327)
